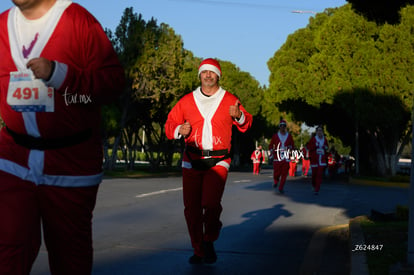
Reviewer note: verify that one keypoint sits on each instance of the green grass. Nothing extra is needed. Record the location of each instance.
(392, 235)
(401, 181)
(142, 171)
(396, 178)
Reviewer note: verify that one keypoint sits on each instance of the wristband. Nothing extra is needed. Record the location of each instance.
(52, 70)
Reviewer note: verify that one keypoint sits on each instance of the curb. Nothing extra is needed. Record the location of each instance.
(314, 253)
(313, 258)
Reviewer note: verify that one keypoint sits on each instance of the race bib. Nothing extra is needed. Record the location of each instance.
(27, 94)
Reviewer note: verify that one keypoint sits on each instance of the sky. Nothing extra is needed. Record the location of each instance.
(244, 32)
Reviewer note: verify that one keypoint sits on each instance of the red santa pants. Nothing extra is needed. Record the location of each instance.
(292, 169)
(256, 167)
(202, 193)
(280, 171)
(65, 214)
(317, 175)
(305, 166)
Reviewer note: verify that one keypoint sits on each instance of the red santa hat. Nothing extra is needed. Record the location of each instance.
(282, 122)
(210, 64)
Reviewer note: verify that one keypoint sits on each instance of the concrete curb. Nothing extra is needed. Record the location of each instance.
(313, 259)
(314, 254)
(359, 265)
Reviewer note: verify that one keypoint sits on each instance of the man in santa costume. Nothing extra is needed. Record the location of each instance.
(205, 118)
(258, 158)
(57, 68)
(294, 160)
(305, 161)
(281, 147)
(318, 152)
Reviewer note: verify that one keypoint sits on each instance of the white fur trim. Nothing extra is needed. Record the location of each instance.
(58, 75)
(209, 67)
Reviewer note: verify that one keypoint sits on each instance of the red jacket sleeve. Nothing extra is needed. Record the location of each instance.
(97, 70)
(175, 119)
(248, 120)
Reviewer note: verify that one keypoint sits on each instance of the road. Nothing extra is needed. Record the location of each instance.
(139, 225)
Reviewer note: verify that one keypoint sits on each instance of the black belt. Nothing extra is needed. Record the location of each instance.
(207, 153)
(37, 143)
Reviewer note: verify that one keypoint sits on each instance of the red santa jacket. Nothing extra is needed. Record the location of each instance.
(281, 146)
(257, 156)
(211, 124)
(305, 153)
(92, 76)
(318, 148)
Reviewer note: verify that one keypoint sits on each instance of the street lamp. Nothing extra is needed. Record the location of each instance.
(303, 11)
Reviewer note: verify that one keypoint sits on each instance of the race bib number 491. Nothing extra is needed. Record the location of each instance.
(27, 94)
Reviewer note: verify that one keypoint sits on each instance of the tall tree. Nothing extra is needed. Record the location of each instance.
(156, 83)
(153, 58)
(128, 43)
(342, 57)
(380, 11)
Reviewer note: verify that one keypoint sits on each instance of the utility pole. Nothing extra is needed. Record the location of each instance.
(356, 147)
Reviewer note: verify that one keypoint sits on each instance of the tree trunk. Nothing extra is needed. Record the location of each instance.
(105, 153)
(379, 162)
(114, 156)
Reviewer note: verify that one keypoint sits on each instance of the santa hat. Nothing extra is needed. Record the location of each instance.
(210, 64)
(282, 122)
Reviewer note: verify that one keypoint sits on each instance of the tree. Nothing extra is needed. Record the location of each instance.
(127, 42)
(380, 11)
(342, 57)
(153, 58)
(157, 83)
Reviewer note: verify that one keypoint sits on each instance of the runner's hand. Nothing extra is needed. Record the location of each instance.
(185, 129)
(235, 110)
(41, 67)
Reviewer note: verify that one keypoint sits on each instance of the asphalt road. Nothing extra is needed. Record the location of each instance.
(139, 225)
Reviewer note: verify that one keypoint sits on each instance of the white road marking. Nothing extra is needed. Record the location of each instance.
(158, 192)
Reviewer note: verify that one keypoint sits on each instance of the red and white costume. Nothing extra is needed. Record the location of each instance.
(87, 73)
(257, 157)
(294, 160)
(280, 147)
(334, 162)
(305, 161)
(210, 122)
(318, 148)
(211, 130)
